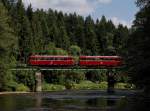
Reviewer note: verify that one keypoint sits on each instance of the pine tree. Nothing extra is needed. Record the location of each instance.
(65, 42)
(101, 32)
(29, 12)
(121, 35)
(22, 27)
(139, 45)
(90, 35)
(44, 26)
(8, 42)
(79, 33)
(54, 34)
(38, 39)
(71, 27)
(52, 26)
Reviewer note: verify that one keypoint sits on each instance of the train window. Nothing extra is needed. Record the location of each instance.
(100, 58)
(56, 59)
(42, 58)
(69, 58)
(51, 58)
(62, 58)
(33, 58)
(47, 58)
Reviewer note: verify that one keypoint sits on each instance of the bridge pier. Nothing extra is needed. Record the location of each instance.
(38, 78)
(111, 82)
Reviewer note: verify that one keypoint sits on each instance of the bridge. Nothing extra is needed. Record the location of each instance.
(38, 63)
(63, 69)
(38, 71)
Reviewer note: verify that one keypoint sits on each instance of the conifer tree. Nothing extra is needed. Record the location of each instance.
(8, 43)
(90, 36)
(38, 39)
(138, 47)
(65, 42)
(101, 34)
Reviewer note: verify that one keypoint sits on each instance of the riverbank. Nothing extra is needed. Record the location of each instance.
(83, 85)
(5, 93)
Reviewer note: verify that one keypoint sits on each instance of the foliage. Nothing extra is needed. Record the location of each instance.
(6, 49)
(90, 85)
(10, 86)
(84, 85)
(69, 84)
(124, 86)
(96, 75)
(75, 50)
(25, 77)
(22, 87)
(138, 47)
(52, 87)
(61, 77)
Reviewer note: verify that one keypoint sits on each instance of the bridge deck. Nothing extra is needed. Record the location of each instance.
(64, 69)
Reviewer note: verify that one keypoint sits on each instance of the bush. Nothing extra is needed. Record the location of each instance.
(22, 87)
(52, 87)
(103, 85)
(124, 86)
(90, 85)
(130, 86)
(69, 84)
(120, 86)
(25, 77)
(10, 86)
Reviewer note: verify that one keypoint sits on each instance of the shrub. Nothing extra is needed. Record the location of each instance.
(22, 87)
(69, 84)
(10, 86)
(103, 85)
(25, 77)
(91, 85)
(124, 86)
(52, 87)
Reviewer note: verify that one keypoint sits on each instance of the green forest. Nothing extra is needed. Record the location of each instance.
(25, 31)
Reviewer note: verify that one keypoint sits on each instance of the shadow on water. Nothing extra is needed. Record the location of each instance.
(139, 102)
(75, 101)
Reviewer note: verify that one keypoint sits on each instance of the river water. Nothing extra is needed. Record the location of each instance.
(82, 100)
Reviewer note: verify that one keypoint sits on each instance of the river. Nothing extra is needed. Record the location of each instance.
(72, 100)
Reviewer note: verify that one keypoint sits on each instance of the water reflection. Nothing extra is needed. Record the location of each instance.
(74, 101)
(139, 103)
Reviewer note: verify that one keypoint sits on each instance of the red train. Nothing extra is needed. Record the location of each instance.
(109, 61)
(84, 61)
(45, 60)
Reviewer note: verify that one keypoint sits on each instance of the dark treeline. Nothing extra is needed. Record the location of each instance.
(24, 31)
(138, 47)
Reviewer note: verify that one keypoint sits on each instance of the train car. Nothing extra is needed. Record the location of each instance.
(46, 60)
(100, 61)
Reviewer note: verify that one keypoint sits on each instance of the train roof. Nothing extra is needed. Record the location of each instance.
(114, 57)
(49, 56)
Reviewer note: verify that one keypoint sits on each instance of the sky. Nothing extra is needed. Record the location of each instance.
(119, 11)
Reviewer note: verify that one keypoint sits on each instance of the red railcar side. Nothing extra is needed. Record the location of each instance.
(108, 61)
(45, 60)
(39, 60)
